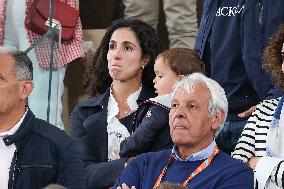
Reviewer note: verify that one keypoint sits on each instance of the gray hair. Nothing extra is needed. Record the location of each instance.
(23, 64)
(218, 99)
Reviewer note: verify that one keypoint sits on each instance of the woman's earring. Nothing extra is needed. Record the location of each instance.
(143, 66)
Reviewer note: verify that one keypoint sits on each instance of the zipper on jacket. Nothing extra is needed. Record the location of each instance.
(260, 11)
(12, 176)
(21, 167)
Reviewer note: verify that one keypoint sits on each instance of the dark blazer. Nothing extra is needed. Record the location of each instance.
(89, 129)
(44, 155)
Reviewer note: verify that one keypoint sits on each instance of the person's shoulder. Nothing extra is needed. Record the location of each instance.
(149, 111)
(227, 162)
(152, 106)
(231, 171)
(267, 107)
(158, 103)
(271, 102)
(154, 156)
(98, 100)
(50, 134)
(89, 102)
(228, 166)
(159, 110)
(148, 161)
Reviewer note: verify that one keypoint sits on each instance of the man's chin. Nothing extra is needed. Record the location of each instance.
(180, 141)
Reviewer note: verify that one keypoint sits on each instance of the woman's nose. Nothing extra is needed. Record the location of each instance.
(117, 53)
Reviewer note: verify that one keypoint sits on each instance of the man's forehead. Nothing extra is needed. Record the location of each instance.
(195, 91)
(6, 57)
(7, 62)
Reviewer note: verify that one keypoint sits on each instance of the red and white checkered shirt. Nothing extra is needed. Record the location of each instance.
(69, 51)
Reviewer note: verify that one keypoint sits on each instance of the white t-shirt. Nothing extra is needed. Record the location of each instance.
(7, 153)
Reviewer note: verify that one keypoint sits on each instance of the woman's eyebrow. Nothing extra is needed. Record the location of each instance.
(129, 43)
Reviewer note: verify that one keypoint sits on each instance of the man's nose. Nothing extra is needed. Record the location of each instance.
(179, 112)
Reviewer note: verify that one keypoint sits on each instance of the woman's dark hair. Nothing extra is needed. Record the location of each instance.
(273, 58)
(97, 79)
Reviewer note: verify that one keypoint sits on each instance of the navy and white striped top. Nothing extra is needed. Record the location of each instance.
(254, 136)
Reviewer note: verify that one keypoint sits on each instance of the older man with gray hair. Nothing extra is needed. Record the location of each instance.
(198, 110)
(33, 153)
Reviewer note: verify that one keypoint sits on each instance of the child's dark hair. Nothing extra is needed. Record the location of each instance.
(183, 61)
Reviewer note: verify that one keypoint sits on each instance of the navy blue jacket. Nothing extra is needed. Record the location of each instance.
(89, 128)
(231, 39)
(44, 155)
(151, 130)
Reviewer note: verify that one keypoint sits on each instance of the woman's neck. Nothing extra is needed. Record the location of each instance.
(121, 92)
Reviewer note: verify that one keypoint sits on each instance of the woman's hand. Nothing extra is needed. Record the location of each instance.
(247, 113)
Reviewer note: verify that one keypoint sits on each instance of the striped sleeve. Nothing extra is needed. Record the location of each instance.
(253, 139)
(245, 147)
(277, 174)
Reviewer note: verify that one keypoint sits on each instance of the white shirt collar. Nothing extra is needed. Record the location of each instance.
(15, 128)
(163, 99)
(132, 100)
(113, 106)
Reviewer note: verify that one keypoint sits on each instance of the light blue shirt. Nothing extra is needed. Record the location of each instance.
(203, 154)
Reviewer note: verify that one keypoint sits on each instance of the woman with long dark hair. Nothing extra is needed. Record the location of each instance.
(119, 77)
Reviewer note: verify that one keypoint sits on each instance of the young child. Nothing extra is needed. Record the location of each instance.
(152, 117)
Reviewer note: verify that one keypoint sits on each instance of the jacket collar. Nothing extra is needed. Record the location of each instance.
(99, 100)
(24, 128)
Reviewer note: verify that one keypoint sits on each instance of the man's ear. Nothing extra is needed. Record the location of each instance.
(218, 119)
(25, 89)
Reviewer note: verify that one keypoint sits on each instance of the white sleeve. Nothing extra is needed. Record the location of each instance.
(265, 170)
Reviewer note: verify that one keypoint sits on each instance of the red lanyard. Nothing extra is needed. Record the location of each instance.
(200, 168)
